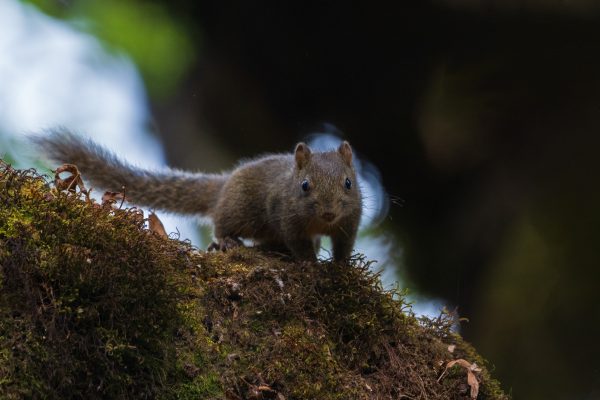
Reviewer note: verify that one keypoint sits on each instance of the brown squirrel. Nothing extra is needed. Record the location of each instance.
(280, 200)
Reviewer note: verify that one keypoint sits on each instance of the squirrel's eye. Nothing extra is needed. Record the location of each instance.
(305, 185)
(348, 183)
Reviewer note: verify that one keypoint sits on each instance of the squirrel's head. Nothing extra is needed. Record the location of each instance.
(326, 186)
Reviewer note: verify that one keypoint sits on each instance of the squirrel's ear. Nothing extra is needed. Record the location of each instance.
(302, 154)
(346, 151)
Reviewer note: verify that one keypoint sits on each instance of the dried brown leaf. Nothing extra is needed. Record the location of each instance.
(267, 392)
(110, 198)
(460, 361)
(156, 225)
(262, 392)
(70, 183)
(49, 196)
(471, 377)
(473, 383)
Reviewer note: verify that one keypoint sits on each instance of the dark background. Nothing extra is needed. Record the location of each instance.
(482, 117)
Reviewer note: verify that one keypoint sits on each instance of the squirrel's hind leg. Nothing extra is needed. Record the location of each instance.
(225, 243)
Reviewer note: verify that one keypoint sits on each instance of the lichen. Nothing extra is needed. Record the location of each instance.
(94, 305)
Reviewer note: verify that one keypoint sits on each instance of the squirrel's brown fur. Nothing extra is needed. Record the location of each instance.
(281, 199)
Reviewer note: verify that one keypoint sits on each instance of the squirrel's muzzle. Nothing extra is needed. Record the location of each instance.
(328, 216)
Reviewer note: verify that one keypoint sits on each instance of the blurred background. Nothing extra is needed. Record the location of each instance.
(483, 119)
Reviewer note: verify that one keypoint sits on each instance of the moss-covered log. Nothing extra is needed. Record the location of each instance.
(94, 305)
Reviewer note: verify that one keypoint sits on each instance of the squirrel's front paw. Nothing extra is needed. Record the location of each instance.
(224, 244)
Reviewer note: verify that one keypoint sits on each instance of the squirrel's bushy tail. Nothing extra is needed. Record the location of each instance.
(165, 189)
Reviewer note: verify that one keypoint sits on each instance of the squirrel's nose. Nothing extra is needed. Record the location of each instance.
(328, 216)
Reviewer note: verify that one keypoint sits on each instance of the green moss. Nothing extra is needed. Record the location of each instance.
(202, 387)
(93, 292)
(93, 305)
(302, 360)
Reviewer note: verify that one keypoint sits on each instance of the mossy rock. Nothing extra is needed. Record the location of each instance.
(93, 305)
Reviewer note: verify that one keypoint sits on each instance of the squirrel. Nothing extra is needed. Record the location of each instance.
(280, 200)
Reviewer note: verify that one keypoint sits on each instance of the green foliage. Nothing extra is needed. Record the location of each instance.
(146, 32)
(158, 43)
(93, 305)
